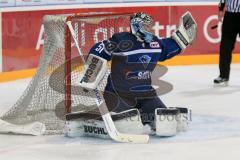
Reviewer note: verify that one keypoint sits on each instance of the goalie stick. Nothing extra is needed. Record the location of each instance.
(35, 128)
(110, 126)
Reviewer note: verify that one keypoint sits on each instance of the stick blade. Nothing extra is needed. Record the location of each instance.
(122, 137)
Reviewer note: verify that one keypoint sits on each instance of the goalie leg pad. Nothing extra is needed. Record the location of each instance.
(81, 127)
(166, 122)
(182, 119)
(126, 122)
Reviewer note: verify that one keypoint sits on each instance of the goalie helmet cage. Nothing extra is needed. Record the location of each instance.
(53, 91)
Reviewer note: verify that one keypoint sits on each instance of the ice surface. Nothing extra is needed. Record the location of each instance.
(214, 132)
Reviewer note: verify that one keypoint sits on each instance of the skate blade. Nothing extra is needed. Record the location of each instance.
(223, 84)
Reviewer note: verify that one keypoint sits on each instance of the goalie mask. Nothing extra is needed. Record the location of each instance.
(138, 23)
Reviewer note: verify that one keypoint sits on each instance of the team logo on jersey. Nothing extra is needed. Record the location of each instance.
(138, 75)
(154, 45)
(145, 60)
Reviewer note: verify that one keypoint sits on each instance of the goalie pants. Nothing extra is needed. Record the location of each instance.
(230, 30)
(146, 106)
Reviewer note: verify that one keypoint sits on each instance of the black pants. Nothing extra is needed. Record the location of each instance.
(230, 30)
(146, 106)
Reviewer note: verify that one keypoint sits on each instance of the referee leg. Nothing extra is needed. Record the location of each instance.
(229, 34)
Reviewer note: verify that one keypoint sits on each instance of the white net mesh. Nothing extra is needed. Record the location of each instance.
(44, 98)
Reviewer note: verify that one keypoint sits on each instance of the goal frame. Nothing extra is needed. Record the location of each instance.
(68, 36)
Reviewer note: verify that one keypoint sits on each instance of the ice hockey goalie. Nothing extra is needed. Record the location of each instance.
(129, 94)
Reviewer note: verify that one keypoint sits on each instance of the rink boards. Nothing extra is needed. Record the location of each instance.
(22, 33)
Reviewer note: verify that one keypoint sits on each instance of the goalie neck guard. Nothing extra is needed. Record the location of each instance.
(138, 23)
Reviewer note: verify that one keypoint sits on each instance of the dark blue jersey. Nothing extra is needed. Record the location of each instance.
(133, 60)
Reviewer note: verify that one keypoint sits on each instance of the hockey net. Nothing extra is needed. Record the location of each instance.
(53, 91)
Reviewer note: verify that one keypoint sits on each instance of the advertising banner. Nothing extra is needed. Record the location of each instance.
(7, 3)
(30, 2)
(23, 32)
(101, 1)
(64, 1)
